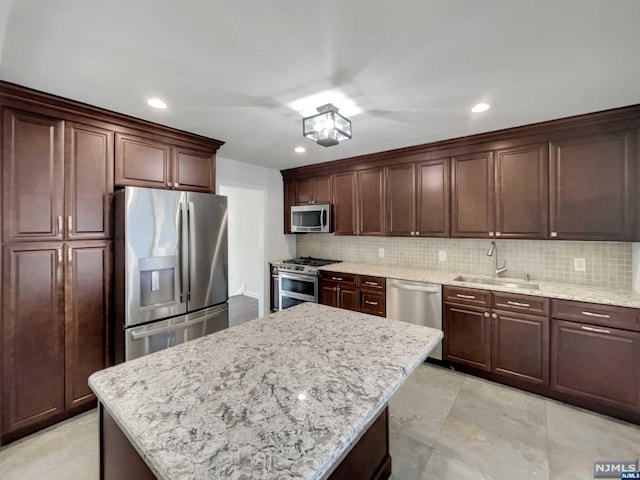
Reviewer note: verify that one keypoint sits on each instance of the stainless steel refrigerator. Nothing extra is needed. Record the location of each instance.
(170, 254)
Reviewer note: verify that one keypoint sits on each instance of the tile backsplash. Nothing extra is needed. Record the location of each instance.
(608, 264)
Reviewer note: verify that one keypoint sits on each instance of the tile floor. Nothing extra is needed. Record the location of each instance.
(444, 425)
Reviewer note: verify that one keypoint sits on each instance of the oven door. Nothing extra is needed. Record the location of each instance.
(296, 288)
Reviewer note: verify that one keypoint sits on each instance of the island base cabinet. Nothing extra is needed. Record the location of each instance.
(467, 337)
(369, 458)
(596, 363)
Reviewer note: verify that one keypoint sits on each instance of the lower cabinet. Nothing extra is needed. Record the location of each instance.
(55, 310)
(595, 362)
(353, 292)
(467, 337)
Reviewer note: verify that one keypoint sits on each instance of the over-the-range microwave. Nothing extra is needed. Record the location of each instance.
(311, 218)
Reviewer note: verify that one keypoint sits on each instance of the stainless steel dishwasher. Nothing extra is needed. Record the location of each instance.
(416, 302)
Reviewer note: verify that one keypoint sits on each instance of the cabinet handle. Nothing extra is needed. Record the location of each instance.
(518, 304)
(597, 330)
(486, 314)
(470, 297)
(494, 315)
(491, 234)
(176, 184)
(497, 234)
(69, 224)
(59, 257)
(370, 303)
(417, 233)
(338, 302)
(372, 283)
(69, 257)
(597, 315)
(413, 233)
(554, 234)
(169, 184)
(337, 279)
(60, 225)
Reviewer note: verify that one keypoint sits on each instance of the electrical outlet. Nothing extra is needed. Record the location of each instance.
(442, 255)
(381, 252)
(579, 265)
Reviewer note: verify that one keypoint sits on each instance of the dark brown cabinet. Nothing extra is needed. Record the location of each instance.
(591, 187)
(33, 360)
(339, 290)
(472, 195)
(371, 201)
(289, 201)
(467, 337)
(418, 199)
(33, 173)
(372, 297)
(87, 300)
(313, 190)
(597, 363)
(147, 162)
(345, 213)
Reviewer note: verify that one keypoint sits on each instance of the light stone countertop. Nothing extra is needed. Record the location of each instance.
(566, 291)
(284, 396)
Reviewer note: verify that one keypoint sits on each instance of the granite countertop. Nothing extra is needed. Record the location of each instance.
(284, 396)
(566, 291)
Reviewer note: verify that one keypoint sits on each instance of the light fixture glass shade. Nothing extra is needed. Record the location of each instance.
(328, 127)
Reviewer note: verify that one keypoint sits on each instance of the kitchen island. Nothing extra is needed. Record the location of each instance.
(299, 394)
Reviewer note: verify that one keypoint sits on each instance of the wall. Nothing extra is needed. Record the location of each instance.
(609, 264)
(277, 246)
(246, 239)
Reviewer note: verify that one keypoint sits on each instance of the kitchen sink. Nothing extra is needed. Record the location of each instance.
(508, 283)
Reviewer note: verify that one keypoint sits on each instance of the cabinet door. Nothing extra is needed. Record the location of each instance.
(344, 204)
(304, 191)
(87, 291)
(33, 177)
(289, 200)
(520, 346)
(467, 336)
(372, 302)
(88, 181)
(329, 294)
(370, 194)
(401, 200)
(322, 189)
(32, 334)
(596, 362)
(142, 162)
(472, 196)
(194, 170)
(348, 297)
(591, 182)
(522, 184)
(433, 198)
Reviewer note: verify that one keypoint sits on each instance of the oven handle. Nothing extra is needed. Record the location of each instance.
(296, 276)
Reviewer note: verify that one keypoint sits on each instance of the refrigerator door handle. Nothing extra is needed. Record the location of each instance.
(184, 252)
(192, 246)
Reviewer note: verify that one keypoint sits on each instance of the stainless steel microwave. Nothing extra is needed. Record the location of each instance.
(311, 218)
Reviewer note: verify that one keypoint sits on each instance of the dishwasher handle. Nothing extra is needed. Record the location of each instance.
(427, 287)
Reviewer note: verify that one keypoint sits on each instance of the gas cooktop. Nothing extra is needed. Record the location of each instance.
(307, 265)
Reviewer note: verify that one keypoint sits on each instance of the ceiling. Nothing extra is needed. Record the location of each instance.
(228, 69)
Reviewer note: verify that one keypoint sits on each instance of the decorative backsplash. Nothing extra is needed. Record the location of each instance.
(608, 264)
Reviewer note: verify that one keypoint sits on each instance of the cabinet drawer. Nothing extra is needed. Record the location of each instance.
(607, 315)
(467, 296)
(349, 278)
(374, 283)
(521, 303)
(372, 303)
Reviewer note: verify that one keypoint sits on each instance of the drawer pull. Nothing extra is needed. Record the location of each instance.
(372, 283)
(370, 303)
(597, 330)
(518, 304)
(597, 315)
(470, 297)
(337, 279)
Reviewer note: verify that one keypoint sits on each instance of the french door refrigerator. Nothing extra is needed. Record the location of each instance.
(170, 254)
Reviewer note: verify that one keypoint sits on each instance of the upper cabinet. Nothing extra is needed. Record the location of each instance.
(147, 162)
(592, 187)
(371, 201)
(58, 179)
(501, 193)
(417, 196)
(345, 213)
(313, 190)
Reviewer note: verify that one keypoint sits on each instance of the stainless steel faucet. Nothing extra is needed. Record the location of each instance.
(493, 249)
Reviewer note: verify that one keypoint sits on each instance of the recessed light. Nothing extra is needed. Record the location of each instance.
(480, 107)
(157, 103)
(299, 149)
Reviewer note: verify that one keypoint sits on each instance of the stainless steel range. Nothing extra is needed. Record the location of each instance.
(298, 280)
